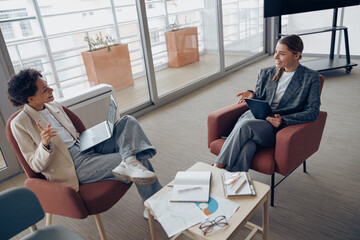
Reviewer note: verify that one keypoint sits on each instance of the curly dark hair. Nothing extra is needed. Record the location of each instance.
(23, 85)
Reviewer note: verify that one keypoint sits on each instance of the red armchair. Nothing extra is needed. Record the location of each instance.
(294, 144)
(57, 198)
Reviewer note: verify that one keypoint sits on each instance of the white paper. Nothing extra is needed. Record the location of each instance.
(218, 206)
(175, 217)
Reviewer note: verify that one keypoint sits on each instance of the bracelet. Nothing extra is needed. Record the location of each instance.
(250, 91)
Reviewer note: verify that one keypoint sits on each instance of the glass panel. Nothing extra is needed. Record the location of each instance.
(123, 2)
(18, 29)
(351, 13)
(77, 21)
(128, 26)
(242, 29)
(67, 29)
(126, 13)
(313, 43)
(30, 54)
(68, 62)
(72, 85)
(183, 42)
(33, 50)
(49, 7)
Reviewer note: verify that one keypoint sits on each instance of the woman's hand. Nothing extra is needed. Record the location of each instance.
(46, 134)
(275, 121)
(246, 94)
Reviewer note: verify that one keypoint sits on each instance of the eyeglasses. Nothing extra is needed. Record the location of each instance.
(208, 226)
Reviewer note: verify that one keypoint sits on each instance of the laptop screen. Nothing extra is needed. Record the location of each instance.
(112, 111)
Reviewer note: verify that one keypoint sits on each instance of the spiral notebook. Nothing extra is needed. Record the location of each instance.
(235, 185)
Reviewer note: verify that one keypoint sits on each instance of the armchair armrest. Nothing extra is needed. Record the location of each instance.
(295, 143)
(57, 198)
(222, 121)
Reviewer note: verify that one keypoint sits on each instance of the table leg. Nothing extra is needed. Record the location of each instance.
(265, 218)
(152, 225)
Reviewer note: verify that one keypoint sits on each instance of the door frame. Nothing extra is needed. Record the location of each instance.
(12, 166)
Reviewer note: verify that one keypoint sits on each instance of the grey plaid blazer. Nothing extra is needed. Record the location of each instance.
(301, 100)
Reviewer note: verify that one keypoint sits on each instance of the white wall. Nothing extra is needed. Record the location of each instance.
(352, 21)
(320, 43)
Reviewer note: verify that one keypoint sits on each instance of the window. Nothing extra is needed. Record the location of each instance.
(51, 39)
(7, 31)
(242, 29)
(26, 28)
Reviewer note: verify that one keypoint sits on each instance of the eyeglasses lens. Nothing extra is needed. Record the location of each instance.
(208, 226)
(220, 221)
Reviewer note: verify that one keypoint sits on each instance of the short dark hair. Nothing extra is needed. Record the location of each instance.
(23, 85)
(294, 43)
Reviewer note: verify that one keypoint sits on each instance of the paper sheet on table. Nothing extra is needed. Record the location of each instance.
(218, 206)
(175, 217)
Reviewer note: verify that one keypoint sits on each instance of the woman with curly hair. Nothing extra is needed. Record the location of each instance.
(50, 143)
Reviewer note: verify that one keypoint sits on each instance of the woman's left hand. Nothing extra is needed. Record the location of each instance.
(275, 121)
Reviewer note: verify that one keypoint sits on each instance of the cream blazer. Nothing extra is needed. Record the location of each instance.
(55, 164)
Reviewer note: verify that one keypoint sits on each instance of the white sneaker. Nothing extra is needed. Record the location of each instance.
(134, 172)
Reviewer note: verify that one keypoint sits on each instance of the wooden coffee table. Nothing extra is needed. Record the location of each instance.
(248, 206)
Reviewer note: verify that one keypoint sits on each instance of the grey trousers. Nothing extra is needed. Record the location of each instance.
(241, 144)
(128, 139)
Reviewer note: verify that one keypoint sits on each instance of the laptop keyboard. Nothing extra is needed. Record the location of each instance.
(99, 133)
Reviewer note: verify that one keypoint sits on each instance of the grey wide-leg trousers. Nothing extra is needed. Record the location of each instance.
(128, 139)
(241, 144)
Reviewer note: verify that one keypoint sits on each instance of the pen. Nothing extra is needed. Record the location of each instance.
(188, 189)
(240, 186)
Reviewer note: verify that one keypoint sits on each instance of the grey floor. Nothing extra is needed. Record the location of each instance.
(321, 204)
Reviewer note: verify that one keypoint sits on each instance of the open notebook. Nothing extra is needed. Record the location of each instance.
(191, 186)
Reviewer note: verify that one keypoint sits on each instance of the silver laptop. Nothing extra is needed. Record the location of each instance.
(100, 132)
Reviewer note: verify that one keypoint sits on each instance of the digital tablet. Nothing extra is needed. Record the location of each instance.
(259, 108)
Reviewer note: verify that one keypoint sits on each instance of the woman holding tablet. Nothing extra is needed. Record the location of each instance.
(292, 91)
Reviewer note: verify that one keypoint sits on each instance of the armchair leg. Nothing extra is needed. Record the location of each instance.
(272, 187)
(33, 228)
(100, 227)
(48, 219)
